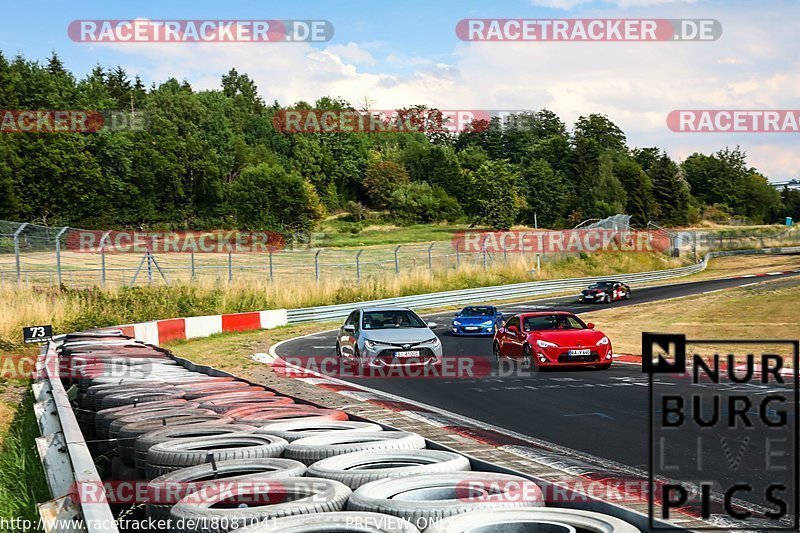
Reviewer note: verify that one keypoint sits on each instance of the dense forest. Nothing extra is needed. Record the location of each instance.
(214, 159)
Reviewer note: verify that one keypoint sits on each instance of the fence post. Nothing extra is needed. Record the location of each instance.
(149, 268)
(430, 258)
(194, 274)
(230, 267)
(483, 249)
(16, 251)
(396, 260)
(458, 257)
(505, 253)
(358, 266)
(270, 263)
(103, 258)
(316, 264)
(58, 253)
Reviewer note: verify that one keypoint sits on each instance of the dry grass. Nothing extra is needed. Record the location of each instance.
(723, 267)
(764, 311)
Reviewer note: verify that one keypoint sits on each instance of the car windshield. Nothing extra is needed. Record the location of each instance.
(392, 320)
(477, 311)
(601, 285)
(548, 322)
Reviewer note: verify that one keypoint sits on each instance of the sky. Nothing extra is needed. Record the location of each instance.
(403, 53)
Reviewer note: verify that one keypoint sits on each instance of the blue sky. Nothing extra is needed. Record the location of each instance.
(402, 53)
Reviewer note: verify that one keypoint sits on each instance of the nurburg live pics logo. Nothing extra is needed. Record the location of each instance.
(723, 432)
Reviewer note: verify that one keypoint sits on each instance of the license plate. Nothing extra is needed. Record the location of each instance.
(408, 353)
(576, 353)
(472, 328)
(589, 297)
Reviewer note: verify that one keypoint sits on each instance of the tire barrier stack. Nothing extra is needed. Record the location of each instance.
(218, 454)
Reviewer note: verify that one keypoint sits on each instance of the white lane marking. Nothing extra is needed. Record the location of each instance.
(323, 347)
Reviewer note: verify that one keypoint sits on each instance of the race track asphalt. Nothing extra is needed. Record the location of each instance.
(602, 413)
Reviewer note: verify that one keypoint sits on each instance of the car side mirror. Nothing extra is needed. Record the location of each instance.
(432, 325)
(458, 315)
(590, 325)
(350, 328)
(513, 329)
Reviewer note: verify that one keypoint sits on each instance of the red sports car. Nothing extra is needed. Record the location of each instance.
(550, 339)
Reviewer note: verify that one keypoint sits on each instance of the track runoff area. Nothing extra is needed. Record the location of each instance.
(738, 443)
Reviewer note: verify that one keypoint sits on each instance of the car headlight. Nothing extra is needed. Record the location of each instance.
(370, 343)
(487, 323)
(603, 341)
(456, 323)
(546, 344)
(433, 342)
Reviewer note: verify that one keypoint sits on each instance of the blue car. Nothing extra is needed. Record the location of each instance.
(477, 320)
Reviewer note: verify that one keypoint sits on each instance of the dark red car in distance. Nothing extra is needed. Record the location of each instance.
(552, 339)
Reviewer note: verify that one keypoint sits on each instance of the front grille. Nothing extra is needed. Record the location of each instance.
(591, 358)
(402, 345)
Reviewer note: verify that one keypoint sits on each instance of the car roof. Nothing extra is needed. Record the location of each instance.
(384, 309)
(479, 305)
(545, 313)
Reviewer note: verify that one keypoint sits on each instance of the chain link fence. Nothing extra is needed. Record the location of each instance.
(41, 255)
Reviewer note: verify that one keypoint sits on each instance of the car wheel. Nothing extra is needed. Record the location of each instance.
(496, 352)
(357, 358)
(528, 359)
(604, 366)
(607, 298)
(627, 295)
(338, 351)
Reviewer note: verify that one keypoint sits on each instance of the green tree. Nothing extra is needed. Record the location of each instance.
(546, 193)
(381, 179)
(269, 197)
(499, 201)
(418, 202)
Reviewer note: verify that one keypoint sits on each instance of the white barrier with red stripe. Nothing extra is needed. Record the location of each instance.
(159, 331)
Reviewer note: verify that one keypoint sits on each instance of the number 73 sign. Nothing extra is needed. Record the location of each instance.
(37, 333)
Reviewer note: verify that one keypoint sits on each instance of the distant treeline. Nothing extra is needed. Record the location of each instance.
(213, 159)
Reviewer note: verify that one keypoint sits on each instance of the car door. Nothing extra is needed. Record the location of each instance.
(347, 339)
(511, 345)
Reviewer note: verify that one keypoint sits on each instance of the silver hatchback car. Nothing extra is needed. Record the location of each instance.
(377, 337)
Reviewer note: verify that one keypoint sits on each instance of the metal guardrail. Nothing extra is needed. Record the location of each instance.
(65, 455)
(509, 292)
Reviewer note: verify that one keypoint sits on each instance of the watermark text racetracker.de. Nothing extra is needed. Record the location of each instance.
(143, 30)
(547, 242)
(588, 30)
(734, 121)
(222, 241)
(412, 120)
(70, 121)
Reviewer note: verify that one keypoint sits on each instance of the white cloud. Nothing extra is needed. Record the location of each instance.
(351, 52)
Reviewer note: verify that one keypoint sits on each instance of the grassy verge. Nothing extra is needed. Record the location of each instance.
(22, 481)
(763, 311)
(338, 232)
(71, 310)
(231, 351)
